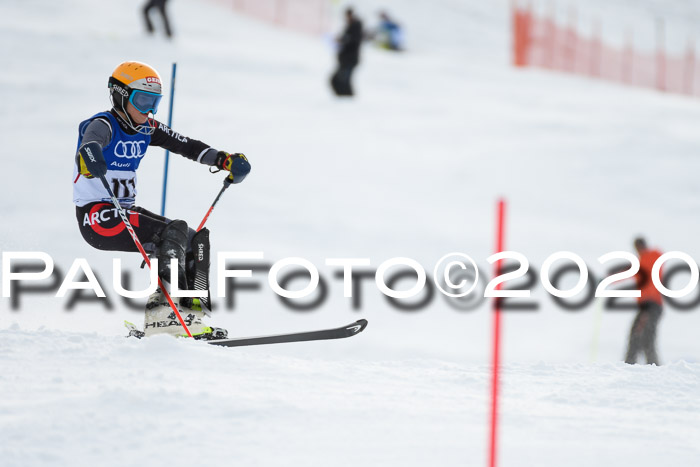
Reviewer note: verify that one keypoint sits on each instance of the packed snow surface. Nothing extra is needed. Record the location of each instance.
(412, 167)
(86, 399)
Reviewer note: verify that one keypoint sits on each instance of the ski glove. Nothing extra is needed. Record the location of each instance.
(91, 162)
(237, 164)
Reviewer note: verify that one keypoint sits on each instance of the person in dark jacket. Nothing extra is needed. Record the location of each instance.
(160, 6)
(348, 54)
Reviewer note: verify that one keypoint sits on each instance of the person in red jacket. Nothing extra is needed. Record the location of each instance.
(643, 333)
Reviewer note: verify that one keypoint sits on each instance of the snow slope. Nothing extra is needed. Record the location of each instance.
(411, 167)
(97, 400)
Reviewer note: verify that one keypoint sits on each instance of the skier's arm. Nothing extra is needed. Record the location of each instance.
(237, 164)
(99, 130)
(167, 138)
(97, 135)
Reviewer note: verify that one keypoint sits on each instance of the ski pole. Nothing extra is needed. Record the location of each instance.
(211, 208)
(126, 222)
(91, 154)
(135, 238)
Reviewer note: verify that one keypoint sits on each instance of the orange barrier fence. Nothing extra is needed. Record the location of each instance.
(540, 42)
(309, 16)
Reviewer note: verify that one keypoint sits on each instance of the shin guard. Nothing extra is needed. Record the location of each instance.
(198, 267)
(172, 244)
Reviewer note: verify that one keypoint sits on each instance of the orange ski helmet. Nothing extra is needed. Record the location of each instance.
(139, 84)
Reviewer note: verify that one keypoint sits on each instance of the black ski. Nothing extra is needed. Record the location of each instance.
(324, 334)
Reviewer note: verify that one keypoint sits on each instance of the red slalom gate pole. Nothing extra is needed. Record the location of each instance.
(496, 358)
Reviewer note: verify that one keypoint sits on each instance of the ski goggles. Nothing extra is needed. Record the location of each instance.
(145, 101)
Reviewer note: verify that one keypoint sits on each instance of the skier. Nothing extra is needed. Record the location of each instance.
(643, 333)
(118, 140)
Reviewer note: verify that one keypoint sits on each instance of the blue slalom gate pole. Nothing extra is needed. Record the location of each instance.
(167, 153)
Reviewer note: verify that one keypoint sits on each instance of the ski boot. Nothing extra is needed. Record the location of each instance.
(161, 319)
(193, 307)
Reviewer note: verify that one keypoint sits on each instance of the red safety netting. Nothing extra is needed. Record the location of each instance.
(309, 16)
(540, 42)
